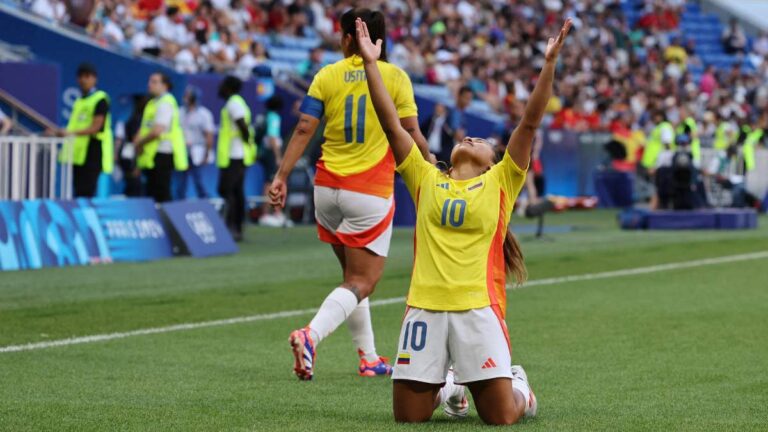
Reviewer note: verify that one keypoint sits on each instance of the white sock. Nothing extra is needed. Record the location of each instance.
(450, 390)
(359, 323)
(335, 309)
(522, 386)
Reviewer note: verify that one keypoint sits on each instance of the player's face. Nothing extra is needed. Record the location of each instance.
(476, 150)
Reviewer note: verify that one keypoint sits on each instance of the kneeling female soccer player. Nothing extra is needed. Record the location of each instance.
(457, 298)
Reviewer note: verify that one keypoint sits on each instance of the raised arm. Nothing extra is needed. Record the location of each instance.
(399, 139)
(521, 140)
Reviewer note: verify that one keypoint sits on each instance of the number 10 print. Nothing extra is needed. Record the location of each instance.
(454, 215)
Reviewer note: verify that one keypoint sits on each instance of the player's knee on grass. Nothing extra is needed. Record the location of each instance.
(412, 401)
(496, 402)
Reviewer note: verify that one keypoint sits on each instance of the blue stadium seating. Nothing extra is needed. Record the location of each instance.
(703, 28)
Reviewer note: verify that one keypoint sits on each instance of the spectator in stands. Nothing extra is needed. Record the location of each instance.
(160, 147)
(236, 151)
(221, 51)
(5, 123)
(255, 57)
(676, 57)
(659, 18)
(457, 120)
(53, 10)
(113, 32)
(708, 82)
(197, 123)
(438, 133)
(760, 46)
(170, 28)
(733, 38)
(90, 126)
(146, 42)
(189, 59)
(309, 67)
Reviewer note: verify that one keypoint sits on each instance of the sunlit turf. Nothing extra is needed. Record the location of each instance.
(676, 350)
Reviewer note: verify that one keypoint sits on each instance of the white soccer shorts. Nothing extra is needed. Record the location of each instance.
(354, 219)
(474, 342)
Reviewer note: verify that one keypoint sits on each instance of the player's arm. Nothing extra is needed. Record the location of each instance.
(245, 134)
(303, 133)
(521, 141)
(399, 139)
(411, 125)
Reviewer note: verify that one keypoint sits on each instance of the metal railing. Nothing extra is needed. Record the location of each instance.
(30, 168)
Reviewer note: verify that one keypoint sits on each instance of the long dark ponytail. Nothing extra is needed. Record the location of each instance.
(376, 27)
(513, 259)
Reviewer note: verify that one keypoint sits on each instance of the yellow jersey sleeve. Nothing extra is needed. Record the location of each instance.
(510, 176)
(404, 99)
(413, 170)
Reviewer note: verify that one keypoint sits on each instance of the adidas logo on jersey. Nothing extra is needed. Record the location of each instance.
(489, 364)
(443, 185)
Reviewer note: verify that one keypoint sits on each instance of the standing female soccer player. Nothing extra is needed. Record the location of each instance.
(457, 298)
(353, 189)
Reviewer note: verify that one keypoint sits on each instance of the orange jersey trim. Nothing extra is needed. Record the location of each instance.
(379, 180)
(496, 274)
(363, 239)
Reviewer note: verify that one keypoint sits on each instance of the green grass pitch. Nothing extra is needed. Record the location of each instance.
(685, 349)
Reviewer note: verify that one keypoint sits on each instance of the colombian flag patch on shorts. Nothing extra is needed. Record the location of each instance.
(403, 359)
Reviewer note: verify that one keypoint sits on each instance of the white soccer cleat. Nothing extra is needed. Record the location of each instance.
(520, 382)
(455, 401)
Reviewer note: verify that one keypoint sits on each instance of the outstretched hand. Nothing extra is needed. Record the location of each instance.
(369, 51)
(554, 45)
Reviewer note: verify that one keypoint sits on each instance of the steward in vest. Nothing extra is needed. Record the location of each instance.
(725, 135)
(235, 151)
(688, 126)
(752, 139)
(90, 147)
(160, 143)
(662, 138)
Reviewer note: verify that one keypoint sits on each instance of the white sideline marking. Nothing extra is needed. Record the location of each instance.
(382, 302)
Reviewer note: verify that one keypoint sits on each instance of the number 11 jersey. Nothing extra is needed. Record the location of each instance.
(355, 154)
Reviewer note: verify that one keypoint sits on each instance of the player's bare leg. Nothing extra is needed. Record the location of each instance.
(362, 271)
(504, 401)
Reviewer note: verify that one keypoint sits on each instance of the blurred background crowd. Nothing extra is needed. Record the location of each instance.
(657, 75)
(624, 60)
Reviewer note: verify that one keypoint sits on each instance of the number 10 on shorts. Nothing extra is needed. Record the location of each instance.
(416, 334)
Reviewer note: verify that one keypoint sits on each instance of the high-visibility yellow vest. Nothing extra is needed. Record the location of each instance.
(654, 146)
(174, 134)
(722, 141)
(229, 131)
(81, 118)
(749, 148)
(695, 141)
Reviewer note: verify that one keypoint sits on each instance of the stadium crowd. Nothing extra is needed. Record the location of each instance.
(622, 76)
(614, 74)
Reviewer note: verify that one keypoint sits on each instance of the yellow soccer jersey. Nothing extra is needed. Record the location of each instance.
(460, 231)
(354, 140)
